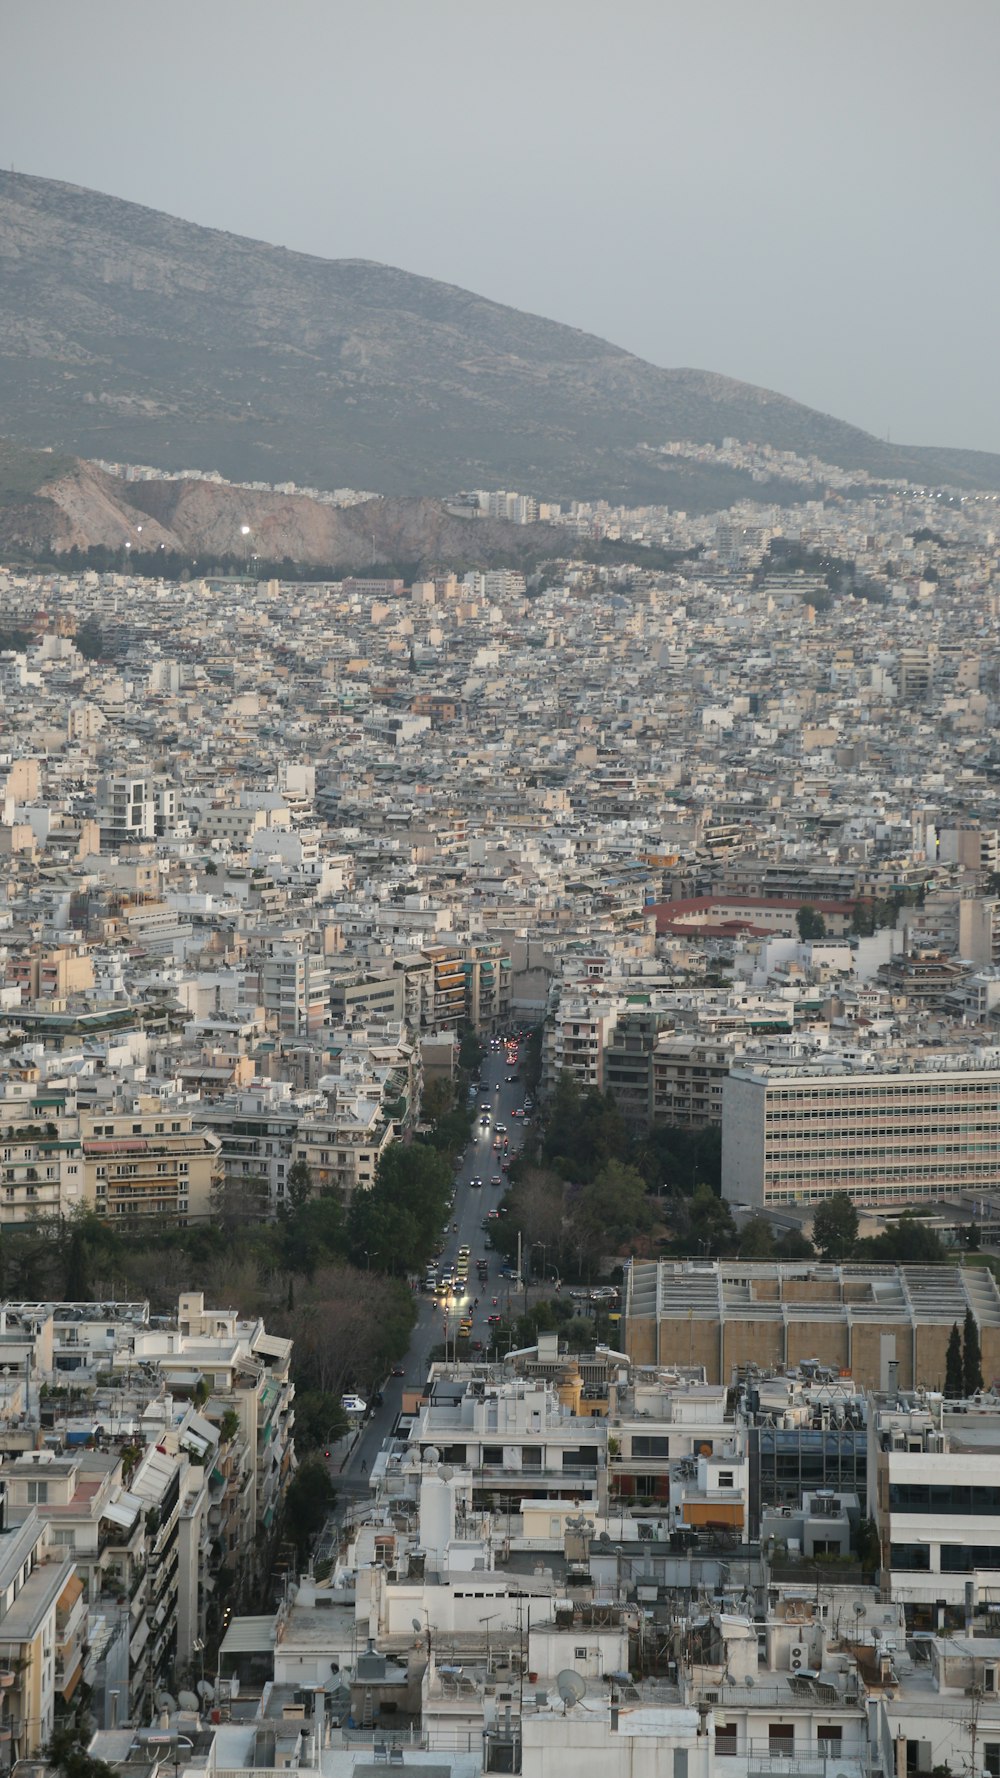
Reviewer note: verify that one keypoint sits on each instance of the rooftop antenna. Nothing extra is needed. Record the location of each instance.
(571, 1687)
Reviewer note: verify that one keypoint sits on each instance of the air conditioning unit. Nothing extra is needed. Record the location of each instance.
(796, 1663)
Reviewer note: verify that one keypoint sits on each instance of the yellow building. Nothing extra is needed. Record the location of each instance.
(43, 1624)
(149, 1162)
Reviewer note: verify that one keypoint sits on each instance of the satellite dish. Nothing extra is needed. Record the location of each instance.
(206, 1689)
(446, 1472)
(604, 1538)
(571, 1687)
(749, 1682)
(417, 1625)
(187, 1700)
(860, 1610)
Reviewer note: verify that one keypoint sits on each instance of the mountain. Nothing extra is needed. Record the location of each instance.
(128, 334)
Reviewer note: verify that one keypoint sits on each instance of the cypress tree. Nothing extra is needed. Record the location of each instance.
(954, 1370)
(972, 1366)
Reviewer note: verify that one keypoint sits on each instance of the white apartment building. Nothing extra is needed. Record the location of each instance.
(295, 989)
(575, 1038)
(343, 1145)
(934, 1490)
(126, 811)
(41, 1153)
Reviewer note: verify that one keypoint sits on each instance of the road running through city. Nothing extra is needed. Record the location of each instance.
(472, 1203)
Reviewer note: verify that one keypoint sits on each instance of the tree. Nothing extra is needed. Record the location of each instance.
(835, 1227)
(972, 1364)
(757, 1239)
(438, 1099)
(308, 1501)
(794, 1245)
(77, 1286)
(703, 1224)
(810, 923)
(319, 1419)
(67, 1754)
(298, 1185)
(954, 1375)
(910, 1242)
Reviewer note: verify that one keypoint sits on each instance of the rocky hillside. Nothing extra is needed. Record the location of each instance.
(131, 335)
(49, 505)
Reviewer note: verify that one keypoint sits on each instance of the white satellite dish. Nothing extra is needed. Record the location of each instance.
(187, 1700)
(446, 1472)
(571, 1687)
(206, 1690)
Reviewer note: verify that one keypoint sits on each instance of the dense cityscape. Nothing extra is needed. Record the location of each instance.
(553, 1015)
(499, 890)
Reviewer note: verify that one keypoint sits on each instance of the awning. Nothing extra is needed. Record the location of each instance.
(119, 1514)
(70, 1593)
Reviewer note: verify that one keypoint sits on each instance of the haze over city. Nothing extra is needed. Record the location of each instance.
(499, 890)
(799, 196)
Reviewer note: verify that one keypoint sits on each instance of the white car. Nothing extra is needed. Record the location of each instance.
(353, 1404)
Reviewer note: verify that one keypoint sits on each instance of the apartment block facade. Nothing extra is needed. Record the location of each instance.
(798, 1133)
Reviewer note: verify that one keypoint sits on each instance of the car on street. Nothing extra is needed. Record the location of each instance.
(496, 1180)
(476, 1181)
(398, 1370)
(353, 1404)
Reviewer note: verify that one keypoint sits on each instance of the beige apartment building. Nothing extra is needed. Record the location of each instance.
(915, 1129)
(689, 1072)
(149, 1161)
(51, 973)
(43, 1633)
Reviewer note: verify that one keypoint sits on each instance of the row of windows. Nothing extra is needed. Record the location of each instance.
(899, 1090)
(940, 1497)
(956, 1558)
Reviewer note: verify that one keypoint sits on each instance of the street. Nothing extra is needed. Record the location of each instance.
(470, 1209)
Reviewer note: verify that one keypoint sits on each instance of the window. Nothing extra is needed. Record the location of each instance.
(579, 1654)
(726, 1478)
(829, 1737)
(916, 1556)
(38, 1493)
(725, 1740)
(991, 1758)
(781, 1740)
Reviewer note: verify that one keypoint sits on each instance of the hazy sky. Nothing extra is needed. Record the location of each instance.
(801, 193)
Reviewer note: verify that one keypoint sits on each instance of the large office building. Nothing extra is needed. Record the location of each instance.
(886, 1326)
(919, 1128)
